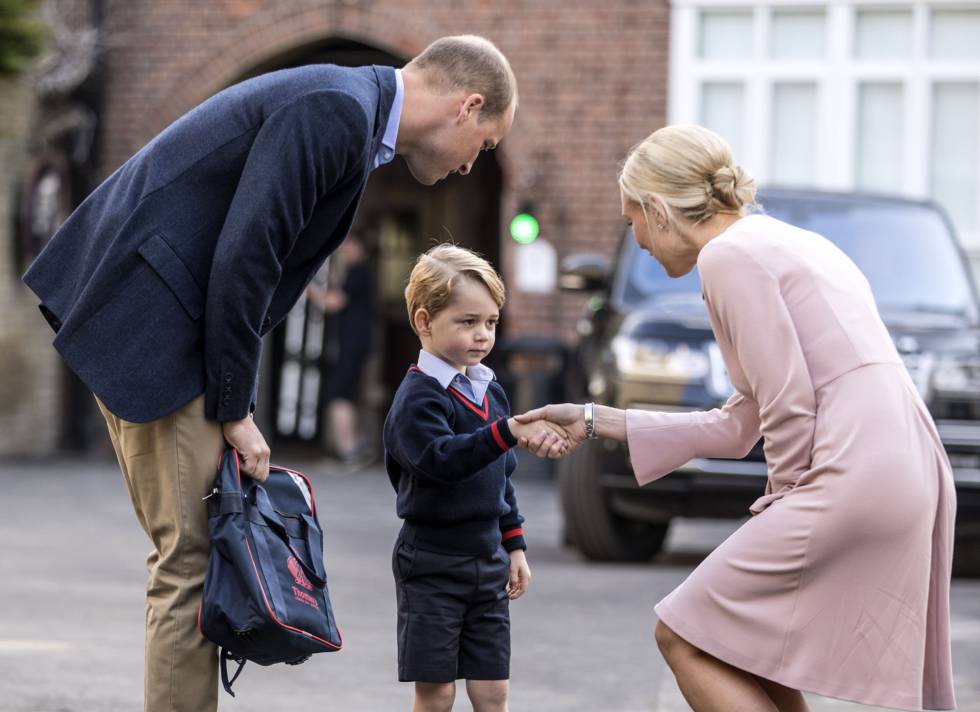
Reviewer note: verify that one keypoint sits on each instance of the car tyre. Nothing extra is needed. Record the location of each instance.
(590, 524)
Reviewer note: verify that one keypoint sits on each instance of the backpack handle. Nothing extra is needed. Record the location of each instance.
(314, 569)
(227, 655)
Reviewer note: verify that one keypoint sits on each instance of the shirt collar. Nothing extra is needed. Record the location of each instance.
(386, 152)
(479, 376)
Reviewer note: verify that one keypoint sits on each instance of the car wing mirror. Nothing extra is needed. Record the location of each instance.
(585, 272)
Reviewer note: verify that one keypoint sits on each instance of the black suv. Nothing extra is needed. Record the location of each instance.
(646, 343)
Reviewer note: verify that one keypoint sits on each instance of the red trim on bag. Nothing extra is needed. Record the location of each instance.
(309, 485)
(199, 627)
(485, 413)
(272, 615)
(511, 534)
(496, 436)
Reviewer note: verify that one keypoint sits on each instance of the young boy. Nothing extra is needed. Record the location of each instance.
(459, 558)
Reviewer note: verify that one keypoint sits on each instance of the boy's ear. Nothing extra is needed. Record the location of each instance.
(421, 321)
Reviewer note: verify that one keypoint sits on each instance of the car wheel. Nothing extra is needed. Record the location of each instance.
(590, 524)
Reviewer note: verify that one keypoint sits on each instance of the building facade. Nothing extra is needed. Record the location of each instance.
(866, 95)
(877, 96)
(592, 78)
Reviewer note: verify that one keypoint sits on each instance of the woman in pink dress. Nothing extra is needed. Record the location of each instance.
(839, 583)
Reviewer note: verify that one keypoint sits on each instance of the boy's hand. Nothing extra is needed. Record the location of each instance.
(520, 575)
(552, 440)
(569, 416)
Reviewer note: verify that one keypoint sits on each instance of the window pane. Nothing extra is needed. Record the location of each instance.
(792, 149)
(797, 35)
(955, 117)
(883, 34)
(725, 35)
(722, 111)
(879, 137)
(955, 34)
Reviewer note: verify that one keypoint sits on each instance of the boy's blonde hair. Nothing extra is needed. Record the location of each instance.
(437, 271)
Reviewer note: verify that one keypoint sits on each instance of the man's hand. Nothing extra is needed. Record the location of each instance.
(569, 416)
(551, 439)
(520, 575)
(253, 452)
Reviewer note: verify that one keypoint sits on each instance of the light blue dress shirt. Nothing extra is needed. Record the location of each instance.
(473, 384)
(387, 151)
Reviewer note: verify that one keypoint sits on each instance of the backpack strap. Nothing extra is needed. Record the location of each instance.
(312, 563)
(227, 655)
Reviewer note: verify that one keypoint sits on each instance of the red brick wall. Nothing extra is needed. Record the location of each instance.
(592, 77)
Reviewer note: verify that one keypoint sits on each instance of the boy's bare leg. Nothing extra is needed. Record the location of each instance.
(434, 696)
(785, 698)
(488, 695)
(707, 683)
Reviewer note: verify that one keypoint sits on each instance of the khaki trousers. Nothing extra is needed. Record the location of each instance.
(169, 465)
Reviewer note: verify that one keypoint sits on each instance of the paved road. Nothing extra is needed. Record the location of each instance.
(71, 611)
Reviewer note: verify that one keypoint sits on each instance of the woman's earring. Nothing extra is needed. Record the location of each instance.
(661, 226)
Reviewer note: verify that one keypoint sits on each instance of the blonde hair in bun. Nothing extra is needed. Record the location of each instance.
(691, 169)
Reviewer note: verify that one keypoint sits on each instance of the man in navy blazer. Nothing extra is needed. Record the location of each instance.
(162, 283)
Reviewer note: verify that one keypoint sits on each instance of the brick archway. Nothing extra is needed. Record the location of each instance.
(267, 34)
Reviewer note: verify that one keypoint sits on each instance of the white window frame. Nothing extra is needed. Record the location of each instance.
(838, 78)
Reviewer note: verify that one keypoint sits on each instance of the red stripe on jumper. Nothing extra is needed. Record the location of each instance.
(511, 534)
(485, 413)
(496, 436)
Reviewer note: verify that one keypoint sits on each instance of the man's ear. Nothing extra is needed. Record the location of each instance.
(422, 322)
(471, 106)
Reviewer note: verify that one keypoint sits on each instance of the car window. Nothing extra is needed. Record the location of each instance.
(905, 251)
(642, 277)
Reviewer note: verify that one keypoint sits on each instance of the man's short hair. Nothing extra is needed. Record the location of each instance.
(437, 271)
(472, 64)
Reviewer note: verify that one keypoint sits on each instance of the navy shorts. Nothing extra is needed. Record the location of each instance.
(453, 615)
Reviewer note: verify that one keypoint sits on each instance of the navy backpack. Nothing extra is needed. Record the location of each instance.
(265, 595)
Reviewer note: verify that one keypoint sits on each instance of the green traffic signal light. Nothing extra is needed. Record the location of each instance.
(524, 228)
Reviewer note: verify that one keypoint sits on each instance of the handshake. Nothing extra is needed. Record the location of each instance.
(550, 431)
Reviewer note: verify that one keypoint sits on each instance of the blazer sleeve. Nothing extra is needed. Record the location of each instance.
(659, 443)
(748, 304)
(300, 152)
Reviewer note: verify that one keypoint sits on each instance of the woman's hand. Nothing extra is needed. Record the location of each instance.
(569, 416)
(552, 440)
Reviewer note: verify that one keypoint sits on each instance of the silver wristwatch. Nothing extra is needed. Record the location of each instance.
(590, 421)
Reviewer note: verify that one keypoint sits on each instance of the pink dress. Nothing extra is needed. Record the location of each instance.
(839, 584)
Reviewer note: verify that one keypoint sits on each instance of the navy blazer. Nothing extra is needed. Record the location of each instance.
(162, 283)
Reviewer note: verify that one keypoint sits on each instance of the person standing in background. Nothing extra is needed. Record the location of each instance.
(353, 306)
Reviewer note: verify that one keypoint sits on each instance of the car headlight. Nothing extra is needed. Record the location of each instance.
(655, 359)
(956, 378)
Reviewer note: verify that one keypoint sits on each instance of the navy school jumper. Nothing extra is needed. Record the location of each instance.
(450, 462)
